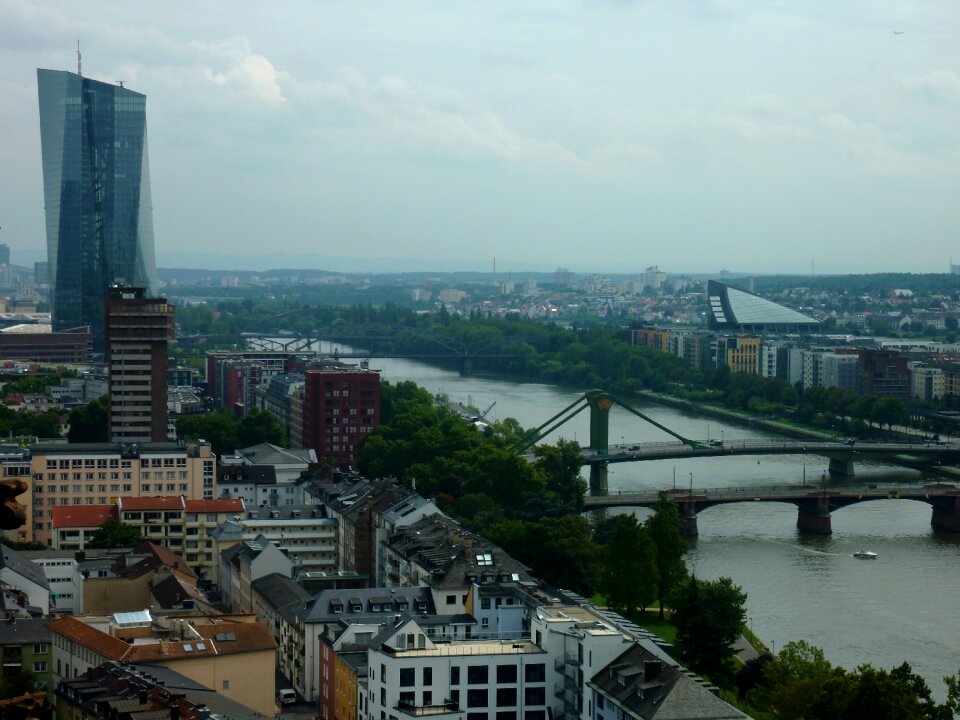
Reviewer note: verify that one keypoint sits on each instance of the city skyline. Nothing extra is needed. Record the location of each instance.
(97, 195)
(596, 136)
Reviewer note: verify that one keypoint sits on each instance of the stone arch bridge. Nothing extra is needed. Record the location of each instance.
(814, 504)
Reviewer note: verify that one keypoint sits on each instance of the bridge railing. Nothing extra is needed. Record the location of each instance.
(775, 491)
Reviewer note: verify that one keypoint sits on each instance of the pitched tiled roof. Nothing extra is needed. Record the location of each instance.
(65, 516)
(151, 503)
(100, 642)
(217, 639)
(171, 593)
(159, 556)
(215, 506)
(246, 637)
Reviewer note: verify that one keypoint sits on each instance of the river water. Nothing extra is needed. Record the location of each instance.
(903, 606)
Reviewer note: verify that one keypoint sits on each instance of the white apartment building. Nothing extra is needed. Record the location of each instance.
(411, 675)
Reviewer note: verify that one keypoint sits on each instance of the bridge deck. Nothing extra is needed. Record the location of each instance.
(674, 450)
(774, 493)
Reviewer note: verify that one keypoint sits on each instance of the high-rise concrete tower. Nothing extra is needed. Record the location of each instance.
(96, 186)
(137, 331)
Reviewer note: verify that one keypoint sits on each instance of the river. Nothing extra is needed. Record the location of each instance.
(902, 606)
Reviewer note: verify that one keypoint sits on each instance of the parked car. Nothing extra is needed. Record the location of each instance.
(288, 696)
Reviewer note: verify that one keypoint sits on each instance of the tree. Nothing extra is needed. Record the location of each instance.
(630, 578)
(259, 426)
(16, 683)
(561, 551)
(561, 465)
(664, 529)
(218, 428)
(793, 681)
(88, 423)
(709, 617)
(114, 534)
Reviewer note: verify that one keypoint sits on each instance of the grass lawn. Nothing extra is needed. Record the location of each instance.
(650, 620)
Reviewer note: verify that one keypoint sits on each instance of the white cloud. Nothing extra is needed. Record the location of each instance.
(940, 84)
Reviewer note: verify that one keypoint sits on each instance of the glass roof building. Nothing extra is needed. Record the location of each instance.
(733, 310)
(96, 187)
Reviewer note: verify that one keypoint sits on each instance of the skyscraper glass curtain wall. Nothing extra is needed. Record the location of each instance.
(96, 184)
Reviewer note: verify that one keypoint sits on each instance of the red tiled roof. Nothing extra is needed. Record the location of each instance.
(163, 556)
(82, 515)
(100, 642)
(247, 636)
(214, 506)
(151, 503)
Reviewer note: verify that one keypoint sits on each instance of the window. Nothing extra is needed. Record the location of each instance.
(39, 667)
(507, 715)
(484, 603)
(427, 677)
(477, 674)
(226, 685)
(408, 677)
(535, 696)
(536, 672)
(451, 599)
(506, 674)
(427, 698)
(408, 698)
(455, 675)
(535, 715)
(506, 697)
(477, 697)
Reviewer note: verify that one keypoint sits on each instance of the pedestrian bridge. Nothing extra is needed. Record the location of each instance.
(814, 503)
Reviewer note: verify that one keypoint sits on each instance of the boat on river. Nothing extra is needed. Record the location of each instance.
(865, 555)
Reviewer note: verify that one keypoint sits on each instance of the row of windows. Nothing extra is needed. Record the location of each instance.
(168, 462)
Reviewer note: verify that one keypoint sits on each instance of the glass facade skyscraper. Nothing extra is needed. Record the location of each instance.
(96, 186)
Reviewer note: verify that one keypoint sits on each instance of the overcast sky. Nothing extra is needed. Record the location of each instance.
(596, 135)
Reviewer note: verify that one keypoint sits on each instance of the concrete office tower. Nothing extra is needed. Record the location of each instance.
(96, 187)
(137, 330)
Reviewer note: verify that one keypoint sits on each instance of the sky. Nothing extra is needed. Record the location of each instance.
(599, 135)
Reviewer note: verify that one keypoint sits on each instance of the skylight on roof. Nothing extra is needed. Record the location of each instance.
(140, 618)
(484, 559)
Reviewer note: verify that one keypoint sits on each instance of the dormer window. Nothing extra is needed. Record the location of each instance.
(337, 608)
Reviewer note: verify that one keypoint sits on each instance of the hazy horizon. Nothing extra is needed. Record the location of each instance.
(594, 135)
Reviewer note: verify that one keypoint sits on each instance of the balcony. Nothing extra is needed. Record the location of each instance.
(446, 708)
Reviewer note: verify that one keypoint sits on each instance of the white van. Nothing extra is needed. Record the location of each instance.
(288, 697)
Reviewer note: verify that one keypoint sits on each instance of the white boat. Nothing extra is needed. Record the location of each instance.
(865, 555)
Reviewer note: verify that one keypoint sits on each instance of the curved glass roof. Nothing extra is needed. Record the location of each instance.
(750, 309)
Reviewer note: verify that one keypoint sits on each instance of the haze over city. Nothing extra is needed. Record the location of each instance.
(594, 135)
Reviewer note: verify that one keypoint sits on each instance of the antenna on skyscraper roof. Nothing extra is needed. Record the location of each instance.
(79, 66)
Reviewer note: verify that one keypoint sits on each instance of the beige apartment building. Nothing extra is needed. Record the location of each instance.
(180, 525)
(232, 654)
(101, 473)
